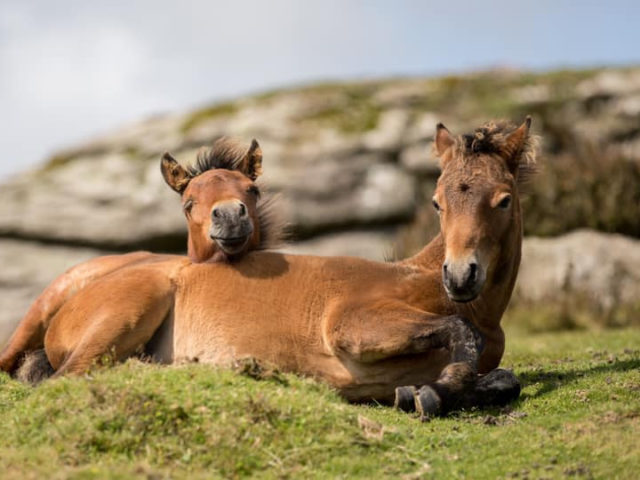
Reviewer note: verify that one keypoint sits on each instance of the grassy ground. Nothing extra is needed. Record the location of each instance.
(578, 416)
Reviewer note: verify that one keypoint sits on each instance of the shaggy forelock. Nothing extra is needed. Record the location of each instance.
(225, 153)
(491, 138)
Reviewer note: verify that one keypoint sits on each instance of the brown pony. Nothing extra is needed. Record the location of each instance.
(419, 330)
(226, 219)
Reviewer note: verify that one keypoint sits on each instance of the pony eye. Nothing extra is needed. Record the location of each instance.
(505, 202)
(436, 205)
(187, 206)
(253, 190)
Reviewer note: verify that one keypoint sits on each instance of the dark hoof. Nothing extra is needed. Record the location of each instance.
(405, 399)
(427, 403)
(497, 388)
(35, 368)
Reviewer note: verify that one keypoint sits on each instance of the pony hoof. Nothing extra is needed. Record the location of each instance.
(498, 387)
(405, 399)
(427, 403)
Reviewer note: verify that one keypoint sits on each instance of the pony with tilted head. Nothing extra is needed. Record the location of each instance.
(423, 332)
(227, 216)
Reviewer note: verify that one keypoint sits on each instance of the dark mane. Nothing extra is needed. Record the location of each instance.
(491, 137)
(225, 153)
(273, 226)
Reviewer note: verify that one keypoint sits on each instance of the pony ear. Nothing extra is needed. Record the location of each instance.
(251, 163)
(444, 140)
(515, 143)
(174, 174)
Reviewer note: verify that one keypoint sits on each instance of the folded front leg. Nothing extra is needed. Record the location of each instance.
(464, 342)
(378, 345)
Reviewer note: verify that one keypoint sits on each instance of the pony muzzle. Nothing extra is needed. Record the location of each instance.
(231, 226)
(463, 279)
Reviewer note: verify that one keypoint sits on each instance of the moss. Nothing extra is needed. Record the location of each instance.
(57, 161)
(132, 152)
(202, 115)
(361, 119)
(351, 110)
(268, 95)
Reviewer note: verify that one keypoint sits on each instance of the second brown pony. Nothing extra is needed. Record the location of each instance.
(226, 219)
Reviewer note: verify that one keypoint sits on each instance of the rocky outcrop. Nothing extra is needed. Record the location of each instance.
(581, 279)
(344, 155)
(603, 268)
(354, 165)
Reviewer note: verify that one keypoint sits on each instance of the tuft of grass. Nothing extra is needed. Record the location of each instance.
(578, 415)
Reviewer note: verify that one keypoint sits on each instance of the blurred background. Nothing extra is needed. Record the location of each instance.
(344, 98)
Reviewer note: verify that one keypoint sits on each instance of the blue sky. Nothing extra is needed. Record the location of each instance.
(73, 69)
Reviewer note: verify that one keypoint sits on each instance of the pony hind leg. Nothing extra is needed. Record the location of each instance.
(87, 328)
(35, 368)
(116, 345)
(30, 332)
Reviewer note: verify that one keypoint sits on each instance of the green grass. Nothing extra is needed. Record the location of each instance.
(578, 416)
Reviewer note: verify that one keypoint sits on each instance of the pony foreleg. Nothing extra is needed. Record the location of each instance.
(367, 335)
(370, 337)
(464, 342)
(497, 388)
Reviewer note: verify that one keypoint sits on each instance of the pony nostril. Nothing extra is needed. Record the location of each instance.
(243, 210)
(473, 272)
(445, 272)
(216, 212)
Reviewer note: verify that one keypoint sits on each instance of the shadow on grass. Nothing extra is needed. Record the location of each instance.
(556, 378)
